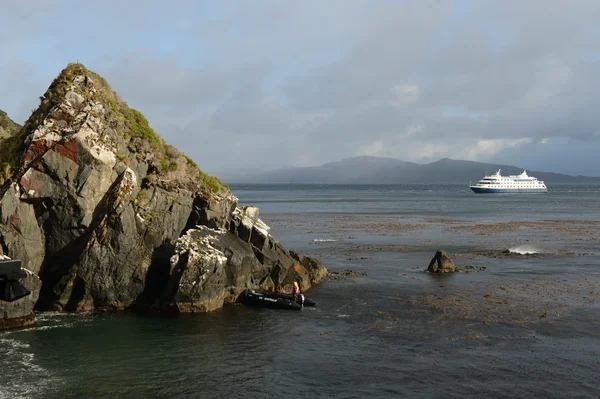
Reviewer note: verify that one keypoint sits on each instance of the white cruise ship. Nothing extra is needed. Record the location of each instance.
(497, 183)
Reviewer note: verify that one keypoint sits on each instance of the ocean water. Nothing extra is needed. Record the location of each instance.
(527, 324)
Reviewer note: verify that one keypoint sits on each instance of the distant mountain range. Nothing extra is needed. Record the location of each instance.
(377, 170)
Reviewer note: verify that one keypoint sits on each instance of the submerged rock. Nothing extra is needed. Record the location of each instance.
(339, 275)
(441, 263)
(471, 269)
(96, 204)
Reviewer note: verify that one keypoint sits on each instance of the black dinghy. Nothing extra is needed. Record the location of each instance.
(276, 300)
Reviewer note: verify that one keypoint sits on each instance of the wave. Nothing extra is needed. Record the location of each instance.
(22, 376)
(46, 327)
(10, 345)
(525, 250)
(318, 240)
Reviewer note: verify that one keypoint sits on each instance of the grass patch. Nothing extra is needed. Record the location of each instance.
(212, 182)
(139, 127)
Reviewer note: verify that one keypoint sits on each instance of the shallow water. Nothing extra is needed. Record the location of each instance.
(370, 336)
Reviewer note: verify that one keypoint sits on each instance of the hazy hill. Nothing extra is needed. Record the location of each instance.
(376, 170)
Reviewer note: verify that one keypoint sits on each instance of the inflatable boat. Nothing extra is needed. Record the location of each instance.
(278, 300)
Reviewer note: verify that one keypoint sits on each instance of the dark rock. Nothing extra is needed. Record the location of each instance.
(441, 263)
(212, 267)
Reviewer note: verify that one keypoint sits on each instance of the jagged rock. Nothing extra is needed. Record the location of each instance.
(441, 263)
(97, 203)
(212, 267)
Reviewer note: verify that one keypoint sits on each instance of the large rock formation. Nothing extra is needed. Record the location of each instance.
(101, 208)
(441, 263)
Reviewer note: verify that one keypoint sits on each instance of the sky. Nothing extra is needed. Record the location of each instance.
(250, 85)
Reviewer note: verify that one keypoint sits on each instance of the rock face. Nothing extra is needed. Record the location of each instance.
(441, 263)
(211, 267)
(101, 208)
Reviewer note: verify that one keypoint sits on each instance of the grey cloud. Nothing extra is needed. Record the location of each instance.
(537, 84)
(248, 111)
(150, 80)
(393, 42)
(300, 83)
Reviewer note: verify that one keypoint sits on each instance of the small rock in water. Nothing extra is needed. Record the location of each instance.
(441, 263)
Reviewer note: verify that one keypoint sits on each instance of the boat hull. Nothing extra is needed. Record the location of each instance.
(277, 300)
(481, 190)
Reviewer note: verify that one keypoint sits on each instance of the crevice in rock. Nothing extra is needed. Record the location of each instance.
(276, 274)
(259, 255)
(195, 217)
(77, 294)
(157, 276)
(55, 267)
(3, 246)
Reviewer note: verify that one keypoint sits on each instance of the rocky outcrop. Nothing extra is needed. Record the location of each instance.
(441, 263)
(97, 203)
(211, 267)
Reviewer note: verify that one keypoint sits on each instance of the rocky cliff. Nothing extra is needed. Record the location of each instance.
(111, 217)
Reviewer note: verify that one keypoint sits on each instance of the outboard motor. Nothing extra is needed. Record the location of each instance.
(11, 288)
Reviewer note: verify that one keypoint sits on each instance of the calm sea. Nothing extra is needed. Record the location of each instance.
(369, 336)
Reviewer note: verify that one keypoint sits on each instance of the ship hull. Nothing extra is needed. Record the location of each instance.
(485, 190)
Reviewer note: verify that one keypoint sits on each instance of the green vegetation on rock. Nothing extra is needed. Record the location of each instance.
(167, 165)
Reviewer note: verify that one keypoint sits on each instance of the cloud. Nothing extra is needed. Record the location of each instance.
(276, 83)
(488, 148)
